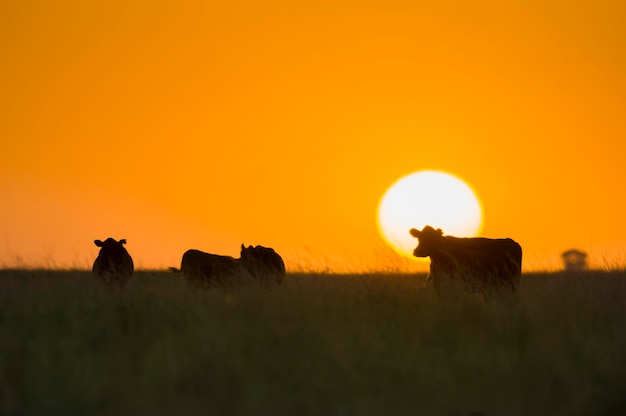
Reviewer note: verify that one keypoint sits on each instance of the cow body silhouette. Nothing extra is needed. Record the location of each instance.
(476, 264)
(261, 264)
(113, 266)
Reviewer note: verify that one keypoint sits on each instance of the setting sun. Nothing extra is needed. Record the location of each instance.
(427, 198)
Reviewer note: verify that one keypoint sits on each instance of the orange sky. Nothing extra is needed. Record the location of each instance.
(208, 124)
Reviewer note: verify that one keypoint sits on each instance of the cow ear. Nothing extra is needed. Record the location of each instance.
(415, 232)
(122, 241)
(439, 231)
(243, 247)
(98, 243)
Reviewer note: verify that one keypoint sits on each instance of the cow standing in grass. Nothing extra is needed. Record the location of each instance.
(113, 266)
(258, 263)
(477, 264)
(264, 264)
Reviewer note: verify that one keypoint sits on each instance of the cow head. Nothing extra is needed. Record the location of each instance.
(259, 253)
(110, 243)
(429, 241)
(246, 252)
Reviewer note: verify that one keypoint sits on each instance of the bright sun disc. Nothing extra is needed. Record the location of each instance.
(427, 198)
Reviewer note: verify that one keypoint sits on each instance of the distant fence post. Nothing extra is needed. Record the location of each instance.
(574, 260)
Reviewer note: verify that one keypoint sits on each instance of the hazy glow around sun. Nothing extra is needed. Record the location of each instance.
(424, 198)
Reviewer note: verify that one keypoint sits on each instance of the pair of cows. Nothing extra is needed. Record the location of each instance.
(114, 266)
(475, 264)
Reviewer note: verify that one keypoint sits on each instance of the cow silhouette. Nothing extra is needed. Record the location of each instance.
(261, 264)
(475, 264)
(264, 264)
(113, 266)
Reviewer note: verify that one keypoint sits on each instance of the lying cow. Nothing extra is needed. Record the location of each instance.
(256, 263)
(113, 266)
(478, 264)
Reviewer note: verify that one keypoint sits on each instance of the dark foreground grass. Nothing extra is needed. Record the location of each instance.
(318, 345)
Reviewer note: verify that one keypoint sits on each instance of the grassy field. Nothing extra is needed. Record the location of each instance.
(320, 344)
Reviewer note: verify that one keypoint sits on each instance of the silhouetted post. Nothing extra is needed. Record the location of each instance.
(574, 260)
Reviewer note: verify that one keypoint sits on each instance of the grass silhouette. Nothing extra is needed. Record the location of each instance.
(318, 344)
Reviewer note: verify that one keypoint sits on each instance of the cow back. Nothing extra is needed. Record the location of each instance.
(482, 262)
(205, 268)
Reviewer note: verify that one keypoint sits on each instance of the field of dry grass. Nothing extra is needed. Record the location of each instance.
(318, 344)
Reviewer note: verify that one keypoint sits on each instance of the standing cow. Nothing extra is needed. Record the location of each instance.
(264, 264)
(113, 266)
(478, 264)
(256, 263)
